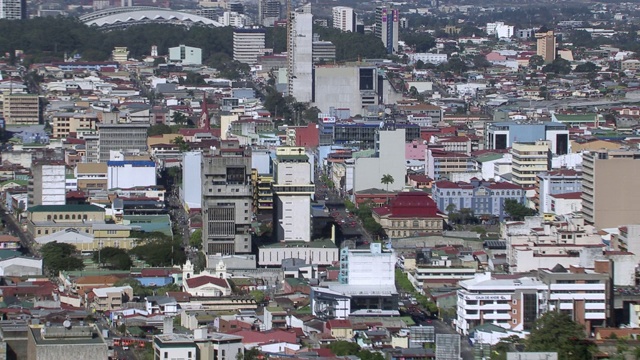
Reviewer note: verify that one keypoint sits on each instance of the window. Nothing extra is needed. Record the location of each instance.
(514, 321)
(189, 354)
(166, 355)
(514, 311)
(416, 223)
(514, 302)
(39, 231)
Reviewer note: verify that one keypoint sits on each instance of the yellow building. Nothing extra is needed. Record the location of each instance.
(91, 176)
(530, 159)
(21, 109)
(64, 123)
(99, 236)
(546, 46)
(262, 193)
(48, 219)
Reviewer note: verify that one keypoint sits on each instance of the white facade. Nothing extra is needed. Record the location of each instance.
(369, 171)
(191, 179)
(313, 253)
(233, 19)
(186, 55)
(53, 183)
(128, 174)
(428, 58)
(344, 18)
(248, 44)
(175, 346)
(300, 54)
(500, 30)
(372, 267)
(20, 266)
(293, 188)
(561, 205)
(344, 87)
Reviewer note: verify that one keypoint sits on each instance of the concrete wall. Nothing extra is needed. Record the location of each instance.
(317, 256)
(191, 179)
(294, 218)
(617, 200)
(369, 171)
(128, 176)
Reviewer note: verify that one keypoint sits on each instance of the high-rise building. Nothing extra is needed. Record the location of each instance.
(269, 11)
(300, 54)
(344, 18)
(561, 181)
(610, 182)
(227, 199)
(546, 46)
(248, 44)
(292, 190)
(530, 159)
(13, 9)
(47, 184)
(126, 137)
(21, 109)
(387, 27)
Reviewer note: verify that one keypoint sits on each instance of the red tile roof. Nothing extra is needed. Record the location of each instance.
(339, 324)
(410, 204)
(252, 337)
(568, 196)
(204, 280)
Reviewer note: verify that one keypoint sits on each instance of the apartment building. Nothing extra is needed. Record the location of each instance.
(546, 46)
(65, 123)
(47, 185)
(122, 137)
(553, 182)
(344, 18)
(292, 190)
(529, 159)
(13, 9)
(227, 199)
(21, 109)
(501, 135)
(482, 197)
(262, 192)
(386, 27)
(514, 303)
(110, 298)
(248, 44)
(300, 54)
(610, 182)
(534, 243)
(440, 163)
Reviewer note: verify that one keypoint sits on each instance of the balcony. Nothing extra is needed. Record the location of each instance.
(496, 316)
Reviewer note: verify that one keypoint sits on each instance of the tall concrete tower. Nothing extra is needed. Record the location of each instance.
(300, 53)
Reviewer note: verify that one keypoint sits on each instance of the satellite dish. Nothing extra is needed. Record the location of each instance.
(387, 111)
(67, 324)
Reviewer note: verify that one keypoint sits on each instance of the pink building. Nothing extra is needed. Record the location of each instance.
(415, 150)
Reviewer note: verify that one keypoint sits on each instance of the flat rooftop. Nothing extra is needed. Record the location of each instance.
(59, 335)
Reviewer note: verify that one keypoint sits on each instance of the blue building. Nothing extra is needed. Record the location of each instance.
(502, 135)
(482, 197)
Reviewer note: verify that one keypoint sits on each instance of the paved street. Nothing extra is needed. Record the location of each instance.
(14, 229)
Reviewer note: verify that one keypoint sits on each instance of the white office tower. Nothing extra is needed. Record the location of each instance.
(300, 53)
(344, 18)
(292, 190)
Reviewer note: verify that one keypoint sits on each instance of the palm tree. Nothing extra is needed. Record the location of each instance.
(387, 179)
(182, 144)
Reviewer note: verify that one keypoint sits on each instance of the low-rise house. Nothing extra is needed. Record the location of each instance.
(110, 298)
(340, 329)
(410, 214)
(161, 305)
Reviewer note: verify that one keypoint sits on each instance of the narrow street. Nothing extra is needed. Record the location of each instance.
(14, 229)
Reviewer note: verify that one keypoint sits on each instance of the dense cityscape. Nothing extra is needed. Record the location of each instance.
(253, 179)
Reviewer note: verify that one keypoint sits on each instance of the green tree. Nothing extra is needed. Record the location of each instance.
(587, 67)
(195, 240)
(480, 62)
(114, 258)
(58, 257)
(558, 66)
(516, 210)
(159, 129)
(182, 145)
(387, 179)
(536, 61)
(158, 249)
(258, 296)
(556, 331)
(581, 38)
(200, 262)
(251, 354)
(179, 118)
(344, 348)
(421, 42)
